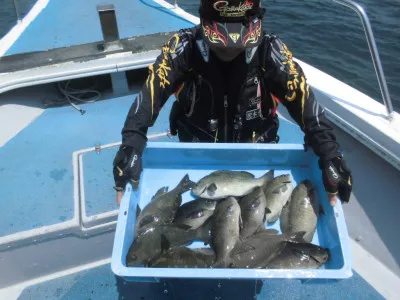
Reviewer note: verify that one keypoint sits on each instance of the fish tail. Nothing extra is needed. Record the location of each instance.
(273, 219)
(185, 184)
(203, 232)
(219, 263)
(298, 237)
(267, 177)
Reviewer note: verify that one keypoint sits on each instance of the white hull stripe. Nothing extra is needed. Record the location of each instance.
(9, 39)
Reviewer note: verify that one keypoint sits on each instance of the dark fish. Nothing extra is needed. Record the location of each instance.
(222, 184)
(301, 212)
(277, 193)
(163, 207)
(253, 210)
(261, 248)
(184, 257)
(300, 256)
(158, 239)
(195, 219)
(225, 230)
(196, 204)
(195, 213)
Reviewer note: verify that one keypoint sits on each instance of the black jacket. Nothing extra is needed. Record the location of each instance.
(283, 78)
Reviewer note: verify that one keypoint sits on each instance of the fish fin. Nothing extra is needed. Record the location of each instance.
(211, 189)
(274, 219)
(203, 232)
(138, 211)
(242, 248)
(146, 220)
(223, 263)
(165, 245)
(287, 203)
(272, 231)
(267, 211)
(186, 184)
(247, 173)
(267, 177)
(260, 228)
(298, 237)
(321, 210)
(218, 264)
(161, 191)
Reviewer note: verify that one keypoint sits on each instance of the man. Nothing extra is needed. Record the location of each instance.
(228, 78)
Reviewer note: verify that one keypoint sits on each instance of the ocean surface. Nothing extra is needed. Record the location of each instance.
(322, 33)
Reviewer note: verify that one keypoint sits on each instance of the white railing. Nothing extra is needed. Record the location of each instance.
(17, 11)
(373, 49)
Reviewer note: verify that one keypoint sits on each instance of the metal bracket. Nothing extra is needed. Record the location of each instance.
(109, 27)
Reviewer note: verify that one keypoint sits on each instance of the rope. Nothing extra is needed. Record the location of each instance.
(73, 95)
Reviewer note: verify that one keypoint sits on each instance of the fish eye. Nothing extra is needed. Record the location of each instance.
(255, 204)
(229, 211)
(196, 214)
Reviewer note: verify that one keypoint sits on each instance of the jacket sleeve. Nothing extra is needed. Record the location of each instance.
(287, 82)
(164, 77)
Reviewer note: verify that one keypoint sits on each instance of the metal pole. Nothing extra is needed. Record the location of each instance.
(16, 10)
(373, 49)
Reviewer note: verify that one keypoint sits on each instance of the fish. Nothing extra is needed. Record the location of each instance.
(300, 256)
(184, 257)
(258, 250)
(223, 183)
(301, 211)
(253, 211)
(225, 228)
(197, 204)
(194, 219)
(159, 239)
(277, 193)
(195, 213)
(163, 206)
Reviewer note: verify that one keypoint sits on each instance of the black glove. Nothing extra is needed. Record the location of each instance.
(337, 178)
(127, 167)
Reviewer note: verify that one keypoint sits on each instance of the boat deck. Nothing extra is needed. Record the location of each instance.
(61, 25)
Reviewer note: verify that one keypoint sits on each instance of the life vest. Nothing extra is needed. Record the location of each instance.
(225, 101)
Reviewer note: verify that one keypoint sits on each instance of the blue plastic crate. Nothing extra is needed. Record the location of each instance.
(166, 163)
